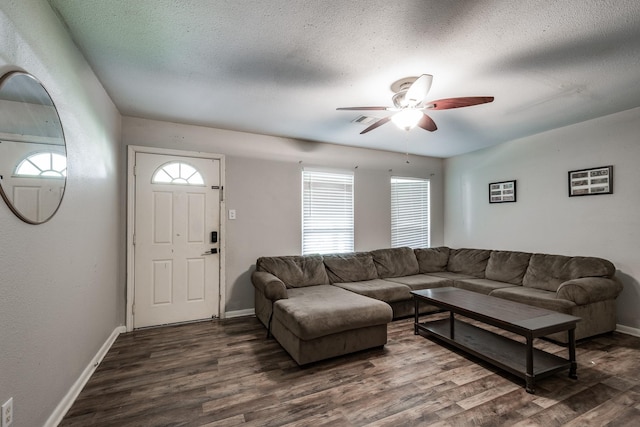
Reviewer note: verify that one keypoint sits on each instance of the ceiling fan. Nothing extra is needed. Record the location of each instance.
(409, 104)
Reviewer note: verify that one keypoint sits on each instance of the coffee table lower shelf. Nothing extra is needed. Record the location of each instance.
(498, 350)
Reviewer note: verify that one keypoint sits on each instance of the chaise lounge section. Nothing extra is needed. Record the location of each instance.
(324, 306)
(310, 318)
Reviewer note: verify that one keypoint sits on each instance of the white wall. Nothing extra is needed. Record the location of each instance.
(544, 218)
(263, 184)
(61, 283)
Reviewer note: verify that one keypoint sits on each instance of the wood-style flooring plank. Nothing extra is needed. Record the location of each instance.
(226, 373)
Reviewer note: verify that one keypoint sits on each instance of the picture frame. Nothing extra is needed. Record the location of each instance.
(502, 192)
(591, 182)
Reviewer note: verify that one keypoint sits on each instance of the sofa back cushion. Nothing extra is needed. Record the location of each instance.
(549, 271)
(507, 266)
(352, 267)
(295, 271)
(472, 262)
(395, 262)
(432, 260)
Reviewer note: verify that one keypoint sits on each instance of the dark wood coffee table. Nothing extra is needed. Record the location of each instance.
(520, 359)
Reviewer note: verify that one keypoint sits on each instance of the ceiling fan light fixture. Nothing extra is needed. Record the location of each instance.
(409, 100)
(407, 119)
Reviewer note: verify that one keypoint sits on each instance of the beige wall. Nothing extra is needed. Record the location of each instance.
(544, 218)
(263, 185)
(61, 283)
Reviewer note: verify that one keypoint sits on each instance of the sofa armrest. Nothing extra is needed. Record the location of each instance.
(589, 289)
(272, 287)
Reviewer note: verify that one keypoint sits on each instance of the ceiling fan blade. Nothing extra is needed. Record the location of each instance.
(365, 108)
(427, 123)
(448, 103)
(376, 124)
(418, 90)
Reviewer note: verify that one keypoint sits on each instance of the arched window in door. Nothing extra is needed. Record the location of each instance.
(177, 173)
(45, 164)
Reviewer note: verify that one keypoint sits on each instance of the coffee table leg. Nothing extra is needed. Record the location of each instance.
(572, 354)
(416, 316)
(452, 331)
(529, 377)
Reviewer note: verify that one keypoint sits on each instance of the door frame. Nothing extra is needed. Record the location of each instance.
(132, 150)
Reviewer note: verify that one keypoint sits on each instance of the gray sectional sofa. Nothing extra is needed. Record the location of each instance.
(324, 306)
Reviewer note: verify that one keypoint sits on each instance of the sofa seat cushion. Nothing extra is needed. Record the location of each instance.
(482, 286)
(536, 297)
(350, 267)
(451, 276)
(395, 262)
(318, 311)
(422, 281)
(379, 289)
(295, 271)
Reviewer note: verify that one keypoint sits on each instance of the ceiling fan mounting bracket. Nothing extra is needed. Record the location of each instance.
(400, 88)
(403, 84)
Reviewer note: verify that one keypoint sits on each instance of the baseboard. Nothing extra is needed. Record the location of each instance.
(240, 313)
(628, 330)
(65, 404)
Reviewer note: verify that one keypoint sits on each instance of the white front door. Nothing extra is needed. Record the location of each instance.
(176, 257)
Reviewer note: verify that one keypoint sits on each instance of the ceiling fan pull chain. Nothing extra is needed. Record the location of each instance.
(406, 146)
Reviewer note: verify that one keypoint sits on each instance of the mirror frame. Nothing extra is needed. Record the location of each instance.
(9, 200)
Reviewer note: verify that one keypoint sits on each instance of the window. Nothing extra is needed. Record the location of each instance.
(327, 212)
(45, 164)
(177, 173)
(410, 212)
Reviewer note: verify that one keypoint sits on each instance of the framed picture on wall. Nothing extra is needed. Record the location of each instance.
(589, 182)
(502, 192)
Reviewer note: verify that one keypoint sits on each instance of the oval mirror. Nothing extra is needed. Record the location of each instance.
(33, 155)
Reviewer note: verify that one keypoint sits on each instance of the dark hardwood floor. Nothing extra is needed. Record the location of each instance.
(226, 373)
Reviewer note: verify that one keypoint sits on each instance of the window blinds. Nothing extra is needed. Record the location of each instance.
(410, 212)
(327, 212)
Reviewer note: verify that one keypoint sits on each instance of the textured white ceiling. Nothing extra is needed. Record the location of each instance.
(281, 67)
